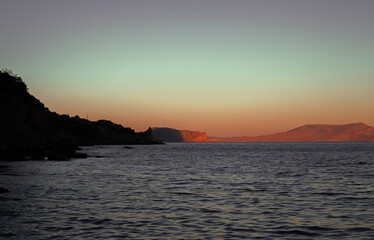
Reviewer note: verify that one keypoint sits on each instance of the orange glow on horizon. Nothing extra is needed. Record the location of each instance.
(216, 122)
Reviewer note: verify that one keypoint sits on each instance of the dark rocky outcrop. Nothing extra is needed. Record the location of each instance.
(29, 130)
(174, 135)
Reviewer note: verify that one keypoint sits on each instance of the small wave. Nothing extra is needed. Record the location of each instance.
(184, 193)
(362, 163)
(297, 232)
(318, 228)
(266, 212)
(9, 199)
(6, 235)
(3, 168)
(329, 193)
(102, 221)
(13, 174)
(207, 210)
(181, 209)
(240, 229)
(8, 213)
(56, 229)
(355, 198)
(95, 221)
(359, 229)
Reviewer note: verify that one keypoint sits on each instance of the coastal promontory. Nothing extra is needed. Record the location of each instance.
(174, 135)
(29, 130)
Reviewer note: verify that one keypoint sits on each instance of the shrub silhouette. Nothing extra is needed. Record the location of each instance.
(12, 81)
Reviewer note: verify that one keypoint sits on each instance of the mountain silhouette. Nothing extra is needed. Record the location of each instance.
(312, 133)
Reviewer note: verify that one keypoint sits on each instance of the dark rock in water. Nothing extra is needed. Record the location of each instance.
(30, 131)
(79, 155)
(127, 147)
(3, 190)
(57, 158)
(157, 141)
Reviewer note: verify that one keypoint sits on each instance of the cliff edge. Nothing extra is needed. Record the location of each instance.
(174, 135)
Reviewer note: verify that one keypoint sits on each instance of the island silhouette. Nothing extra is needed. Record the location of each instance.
(311, 133)
(308, 133)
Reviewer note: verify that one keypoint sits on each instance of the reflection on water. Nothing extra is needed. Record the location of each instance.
(190, 191)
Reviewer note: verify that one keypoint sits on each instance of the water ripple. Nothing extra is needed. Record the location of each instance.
(194, 191)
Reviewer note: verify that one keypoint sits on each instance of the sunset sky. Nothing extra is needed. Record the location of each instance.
(227, 67)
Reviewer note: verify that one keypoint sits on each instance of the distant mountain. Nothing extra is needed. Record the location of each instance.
(174, 135)
(30, 130)
(312, 133)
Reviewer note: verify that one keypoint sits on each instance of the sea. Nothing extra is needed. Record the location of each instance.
(322, 190)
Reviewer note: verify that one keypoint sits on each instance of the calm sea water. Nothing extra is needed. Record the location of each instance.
(194, 191)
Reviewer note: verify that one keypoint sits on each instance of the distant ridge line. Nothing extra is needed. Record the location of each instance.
(305, 133)
(311, 133)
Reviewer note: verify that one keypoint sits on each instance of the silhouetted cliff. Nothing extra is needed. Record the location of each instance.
(30, 130)
(174, 135)
(312, 133)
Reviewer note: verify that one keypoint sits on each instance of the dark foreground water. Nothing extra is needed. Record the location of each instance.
(194, 191)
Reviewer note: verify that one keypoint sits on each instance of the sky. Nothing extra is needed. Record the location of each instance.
(227, 67)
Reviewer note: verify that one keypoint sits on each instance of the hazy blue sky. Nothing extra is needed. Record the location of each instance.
(225, 67)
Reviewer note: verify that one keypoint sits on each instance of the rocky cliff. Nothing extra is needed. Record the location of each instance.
(30, 130)
(174, 135)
